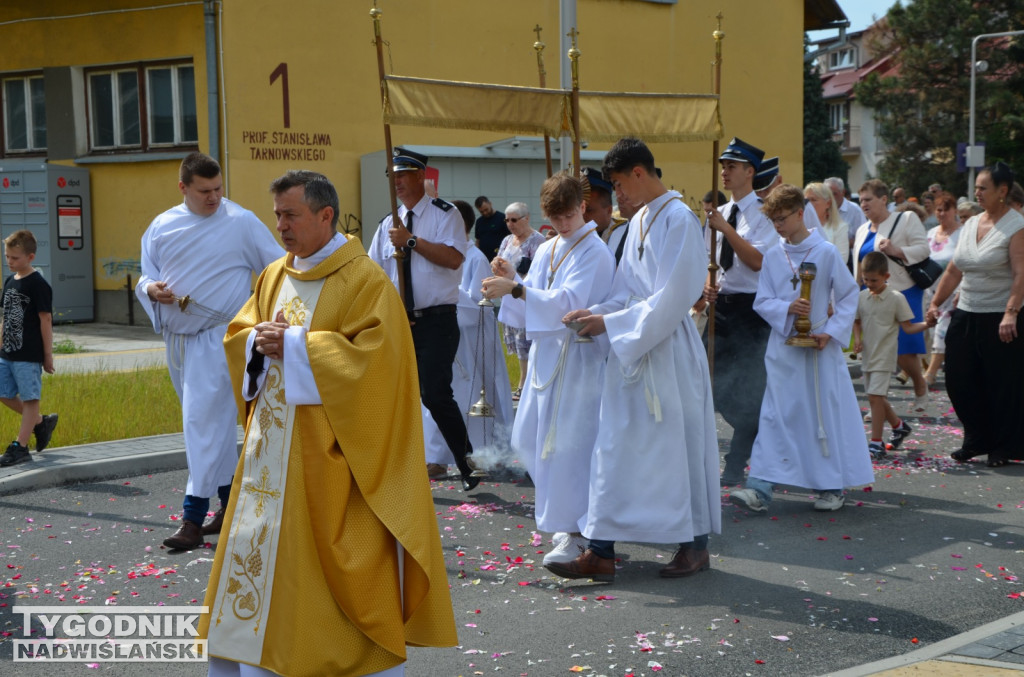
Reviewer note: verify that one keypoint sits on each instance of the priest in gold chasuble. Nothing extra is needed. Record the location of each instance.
(332, 562)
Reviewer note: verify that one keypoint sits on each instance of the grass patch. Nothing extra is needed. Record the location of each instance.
(103, 406)
(66, 347)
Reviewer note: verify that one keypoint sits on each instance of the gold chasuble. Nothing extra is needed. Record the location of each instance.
(306, 579)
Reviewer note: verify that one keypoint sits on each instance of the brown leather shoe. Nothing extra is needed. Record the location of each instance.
(213, 527)
(686, 562)
(437, 471)
(188, 536)
(587, 565)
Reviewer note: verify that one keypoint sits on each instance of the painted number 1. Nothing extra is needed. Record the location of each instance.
(282, 72)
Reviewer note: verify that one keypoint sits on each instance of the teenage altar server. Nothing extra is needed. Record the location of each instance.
(198, 259)
(553, 433)
(810, 432)
(654, 476)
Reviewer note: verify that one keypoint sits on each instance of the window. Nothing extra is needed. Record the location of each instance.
(837, 117)
(841, 58)
(24, 113)
(142, 107)
(114, 110)
(172, 105)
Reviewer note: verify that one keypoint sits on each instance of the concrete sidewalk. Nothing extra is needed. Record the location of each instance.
(994, 649)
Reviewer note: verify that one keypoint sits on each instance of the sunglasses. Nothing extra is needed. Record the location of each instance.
(514, 219)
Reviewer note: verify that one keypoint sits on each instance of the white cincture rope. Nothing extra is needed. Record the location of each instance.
(644, 371)
(822, 435)
(176, 350)
(549, 439)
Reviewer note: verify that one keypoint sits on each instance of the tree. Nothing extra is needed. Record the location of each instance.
(922, 110)
(822, 156)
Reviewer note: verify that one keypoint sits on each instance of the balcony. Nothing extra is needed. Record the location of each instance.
(848, 138)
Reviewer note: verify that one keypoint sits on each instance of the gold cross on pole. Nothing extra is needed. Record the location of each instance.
(537, 29)
(572, 35)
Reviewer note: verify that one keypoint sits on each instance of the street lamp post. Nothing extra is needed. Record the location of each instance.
(972, 157)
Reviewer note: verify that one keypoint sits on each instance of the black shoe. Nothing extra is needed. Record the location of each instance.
(44, 431)
(469, 482)
(896, 438)
(16, 454)
(877, 451)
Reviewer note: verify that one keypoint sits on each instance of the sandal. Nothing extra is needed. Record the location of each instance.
(963, 455)
(996, 461)
(516, 394)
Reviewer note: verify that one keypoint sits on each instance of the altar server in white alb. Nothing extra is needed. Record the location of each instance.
(554, 430)
(479, 363)
(198, 262)
(654, 476)
(810, 432)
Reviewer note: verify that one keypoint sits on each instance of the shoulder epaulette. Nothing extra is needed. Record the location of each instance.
(441, 204)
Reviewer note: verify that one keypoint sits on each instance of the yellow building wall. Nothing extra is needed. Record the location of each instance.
(627, 45)
(334, 96)
(125, 195)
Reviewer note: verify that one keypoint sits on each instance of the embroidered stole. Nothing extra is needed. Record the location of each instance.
(250, 559)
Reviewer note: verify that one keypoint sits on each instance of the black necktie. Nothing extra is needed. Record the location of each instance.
(407, 267)
(727, 251)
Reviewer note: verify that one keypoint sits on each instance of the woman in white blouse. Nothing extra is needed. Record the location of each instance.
(900, 236)
(985, 341)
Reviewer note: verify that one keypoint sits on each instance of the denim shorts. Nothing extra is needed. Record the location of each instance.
(21, 379)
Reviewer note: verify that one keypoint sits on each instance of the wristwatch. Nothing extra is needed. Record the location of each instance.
(517, 291)
(411, 242)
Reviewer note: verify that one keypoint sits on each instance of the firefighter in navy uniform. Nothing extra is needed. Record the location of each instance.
(433, 238)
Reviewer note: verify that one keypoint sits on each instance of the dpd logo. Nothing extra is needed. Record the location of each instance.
(61, 182)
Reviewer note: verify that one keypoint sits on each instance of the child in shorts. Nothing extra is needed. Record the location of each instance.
(880, 313)
(26, 348)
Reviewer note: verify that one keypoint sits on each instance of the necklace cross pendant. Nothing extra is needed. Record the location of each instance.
(640, 252)
(551, 280)
(794, 280)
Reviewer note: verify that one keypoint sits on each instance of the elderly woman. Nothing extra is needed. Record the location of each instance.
(833, 227)
(942, 240)
(517, 250)
(985, 347)
(901, 237)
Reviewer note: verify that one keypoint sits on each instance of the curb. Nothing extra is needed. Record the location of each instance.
(939, 651)
(94, 469)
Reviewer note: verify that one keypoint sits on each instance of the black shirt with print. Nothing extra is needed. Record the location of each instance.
(23, 300)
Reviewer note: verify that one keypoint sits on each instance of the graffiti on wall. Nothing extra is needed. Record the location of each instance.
(117, 268)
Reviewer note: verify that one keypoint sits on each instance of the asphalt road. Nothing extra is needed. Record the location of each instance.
(932, 550)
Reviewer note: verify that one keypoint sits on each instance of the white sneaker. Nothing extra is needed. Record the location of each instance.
(829, 502)
(747, 498)
(567, 550)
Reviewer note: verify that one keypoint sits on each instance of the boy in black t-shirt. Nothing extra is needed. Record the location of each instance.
(26, 347)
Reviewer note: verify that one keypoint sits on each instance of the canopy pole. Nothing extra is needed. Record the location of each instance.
(574, 60)
(539, 47)
(400, 252)
(718, 35)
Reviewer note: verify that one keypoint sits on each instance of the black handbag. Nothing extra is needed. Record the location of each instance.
(923, 273)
